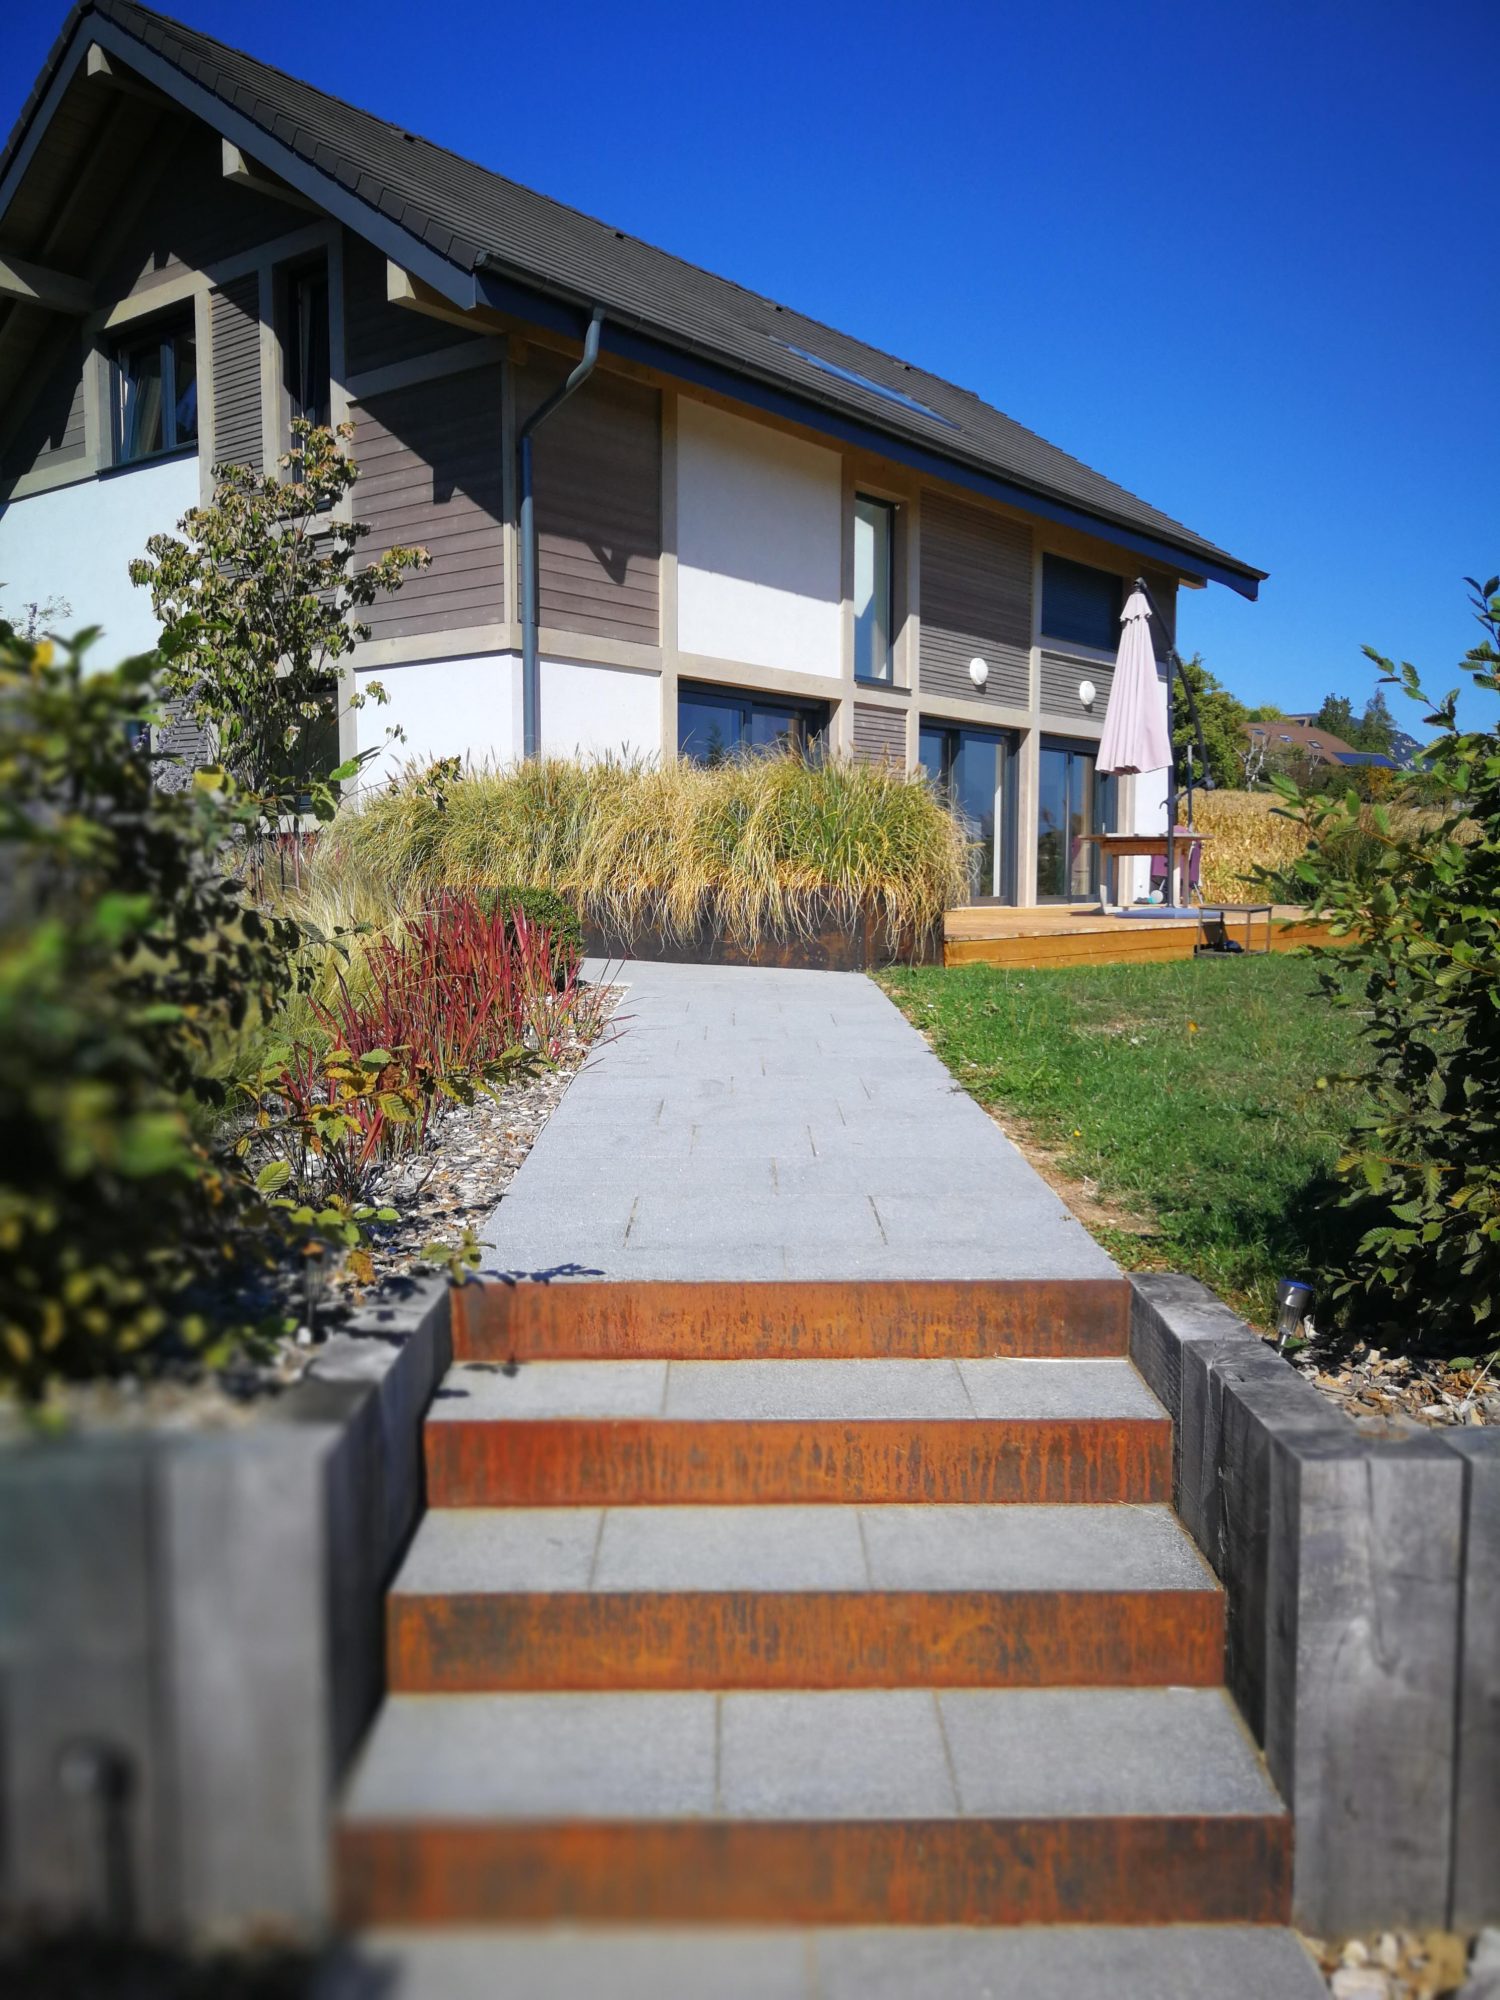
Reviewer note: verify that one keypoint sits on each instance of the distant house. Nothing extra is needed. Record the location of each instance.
(751, 529)
(1300, 736)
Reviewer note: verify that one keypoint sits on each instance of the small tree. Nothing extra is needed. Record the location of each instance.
(1418, 927)
(259, 596)
(1222, 716)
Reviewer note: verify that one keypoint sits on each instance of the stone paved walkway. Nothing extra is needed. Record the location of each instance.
(753, 1123)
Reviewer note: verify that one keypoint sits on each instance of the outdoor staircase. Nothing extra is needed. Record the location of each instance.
(810, 1606)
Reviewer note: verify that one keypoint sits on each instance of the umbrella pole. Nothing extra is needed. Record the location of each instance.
(1171, 788)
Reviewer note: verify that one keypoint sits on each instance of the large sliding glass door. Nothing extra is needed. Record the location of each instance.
(975, 767)
(1073, 801)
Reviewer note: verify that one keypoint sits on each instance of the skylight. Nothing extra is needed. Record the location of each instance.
(864, 382)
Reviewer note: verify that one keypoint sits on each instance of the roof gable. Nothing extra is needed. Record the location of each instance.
(479, 238)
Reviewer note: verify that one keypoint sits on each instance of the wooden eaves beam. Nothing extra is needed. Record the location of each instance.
(402, 289)
(103, 68)
(245, 172)
(35, 285)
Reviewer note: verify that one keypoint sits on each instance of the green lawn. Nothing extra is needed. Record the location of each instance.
(1179, 1102)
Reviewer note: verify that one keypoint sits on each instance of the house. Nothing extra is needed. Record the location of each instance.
(1293, 738)
(750, 528)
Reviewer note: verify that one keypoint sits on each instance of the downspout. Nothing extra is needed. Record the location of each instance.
(530, 665)
(1174, 664)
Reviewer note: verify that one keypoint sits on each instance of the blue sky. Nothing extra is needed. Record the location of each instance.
(1240, 258)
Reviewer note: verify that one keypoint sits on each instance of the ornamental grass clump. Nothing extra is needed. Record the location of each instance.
(753, 844)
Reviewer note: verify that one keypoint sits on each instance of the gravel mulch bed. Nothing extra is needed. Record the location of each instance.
(1400, 1965)
(1378, 1389)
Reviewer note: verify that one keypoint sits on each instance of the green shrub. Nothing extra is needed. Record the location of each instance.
(1418, 930)
(545, 910)
(124, 950)
(753, 841)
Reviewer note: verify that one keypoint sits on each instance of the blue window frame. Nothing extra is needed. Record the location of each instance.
(1081, 605)
(715, 724)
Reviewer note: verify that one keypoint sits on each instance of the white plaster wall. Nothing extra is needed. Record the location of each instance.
(1148, 815)
(594, 711)
(759, 539)
(76, 541)
(469, 708)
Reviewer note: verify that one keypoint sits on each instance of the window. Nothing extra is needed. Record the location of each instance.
(867, 382)
(874, 547)
(304, 344)
(155, 391)
(1073, 801)
(1080, 604)
(715, 724)
(974, 769)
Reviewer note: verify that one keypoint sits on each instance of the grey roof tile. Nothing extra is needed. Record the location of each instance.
(472, 216)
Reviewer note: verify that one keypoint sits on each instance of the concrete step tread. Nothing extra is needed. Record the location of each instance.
(1118, 1547)
(1183, 1962)
(887, 1754)
(794, 1391)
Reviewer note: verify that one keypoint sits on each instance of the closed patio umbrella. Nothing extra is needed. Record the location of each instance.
(1135, 723)
(1137, 736)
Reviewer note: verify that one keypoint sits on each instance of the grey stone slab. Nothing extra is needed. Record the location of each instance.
(1065, 1751)
(1031, 1548)
(710, 1216)
(1082, 1962)
(862, 1754)
(1476, 1820)
(754, 1065)
(1031, 1388)
(568, 1965)
(537, 1757)
(810, 1390)
(474, 1391)
(731, 1548)
(459, 1549)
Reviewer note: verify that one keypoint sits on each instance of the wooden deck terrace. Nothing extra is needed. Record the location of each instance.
(1085, 934)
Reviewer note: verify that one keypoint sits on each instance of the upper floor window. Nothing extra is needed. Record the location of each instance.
(155, 391)
(1080, 604)
(305, 344)
(874, 597)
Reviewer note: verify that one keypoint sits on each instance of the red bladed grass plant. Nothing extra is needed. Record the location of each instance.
(455, 1001)
(457, 988)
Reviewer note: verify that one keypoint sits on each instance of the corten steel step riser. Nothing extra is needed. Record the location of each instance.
(1050, 1319)
(807, 1639)
(643, 1461)
(1150, 1870)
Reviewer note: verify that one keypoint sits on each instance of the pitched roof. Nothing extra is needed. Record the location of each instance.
(1298, 735)
(481, 233)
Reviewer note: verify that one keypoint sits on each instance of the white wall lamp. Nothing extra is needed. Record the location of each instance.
(979, 671)
(1087, 693)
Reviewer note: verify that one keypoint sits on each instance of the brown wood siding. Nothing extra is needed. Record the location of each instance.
(193, 217)
(51, 431)
(234, 322)
(1062, 671)
(976, 601)
(879, 735)
(1061, 675)
(598, 506)
(430, 463)
(376, 333)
